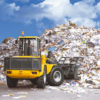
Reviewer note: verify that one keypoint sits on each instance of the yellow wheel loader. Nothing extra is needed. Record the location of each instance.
(29, 64)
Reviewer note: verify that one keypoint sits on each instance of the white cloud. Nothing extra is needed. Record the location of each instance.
(84, 21)
(7, 9)
(81, 12)
(89, 1)
(60, 11)
(55, 9)
(98, 8)
(12, 7)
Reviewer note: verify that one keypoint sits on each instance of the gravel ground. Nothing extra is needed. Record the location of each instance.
(30, 92)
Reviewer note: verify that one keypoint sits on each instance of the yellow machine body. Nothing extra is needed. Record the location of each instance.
(30, 74)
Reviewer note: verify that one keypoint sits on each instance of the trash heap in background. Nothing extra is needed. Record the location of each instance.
(66, 41)
(76, 41)
(8, 47)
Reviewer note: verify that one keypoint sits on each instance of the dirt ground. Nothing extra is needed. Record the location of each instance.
(30, 92)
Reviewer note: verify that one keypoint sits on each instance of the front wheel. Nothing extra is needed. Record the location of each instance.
(11, 83)
(56, 77)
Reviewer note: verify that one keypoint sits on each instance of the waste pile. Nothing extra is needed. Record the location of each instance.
(76, 41)
(8, 47)
(67, 41)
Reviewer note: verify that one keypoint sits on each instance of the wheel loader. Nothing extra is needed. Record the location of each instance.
(29, 64)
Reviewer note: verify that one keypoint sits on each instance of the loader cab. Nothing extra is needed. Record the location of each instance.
(29, 46)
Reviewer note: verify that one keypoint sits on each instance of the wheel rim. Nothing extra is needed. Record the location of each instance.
(57, 76)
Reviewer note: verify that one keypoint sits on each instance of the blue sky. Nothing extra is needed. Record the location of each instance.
(34, 16)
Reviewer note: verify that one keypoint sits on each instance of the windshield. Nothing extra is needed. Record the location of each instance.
(29, 46)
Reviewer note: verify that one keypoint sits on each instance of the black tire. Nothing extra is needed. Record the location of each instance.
(34, 81)
(52, 78)
(41, 81)
(11, 83)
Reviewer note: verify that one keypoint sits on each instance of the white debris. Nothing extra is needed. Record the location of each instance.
(72, 87)
(19, 97)
(68, 41)
(71, 41)
(7, 48)
(98, 62)
(5, 95)
(52, 88)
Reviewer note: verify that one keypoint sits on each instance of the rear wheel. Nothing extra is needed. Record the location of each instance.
(11, 83)
(56, 77)
(41, 81)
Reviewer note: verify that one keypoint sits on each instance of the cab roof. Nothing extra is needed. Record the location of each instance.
(28, 37)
